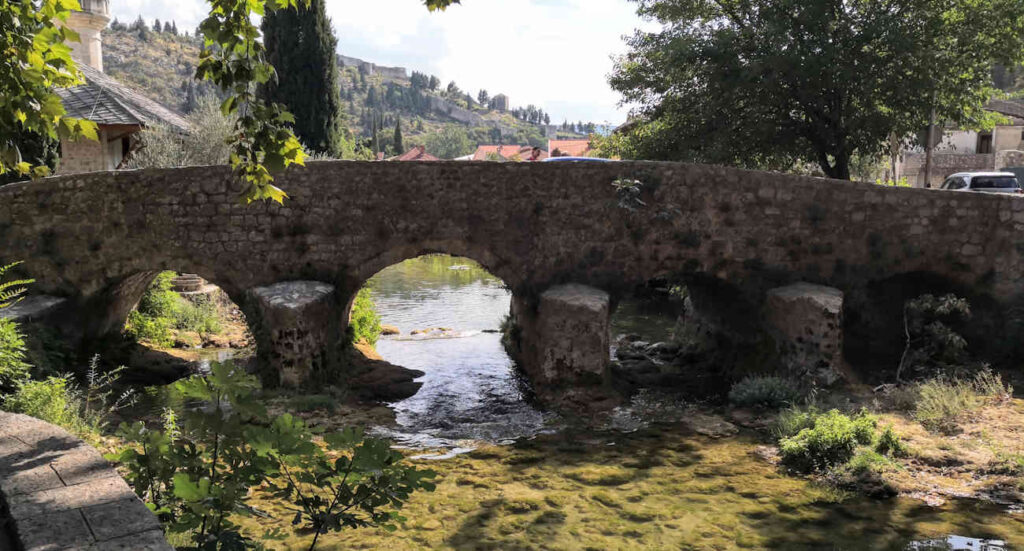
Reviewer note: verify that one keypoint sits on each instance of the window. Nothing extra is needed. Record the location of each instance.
(984, 143)
(994, 182)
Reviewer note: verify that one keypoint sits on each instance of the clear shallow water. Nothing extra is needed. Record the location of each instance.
(470, 391)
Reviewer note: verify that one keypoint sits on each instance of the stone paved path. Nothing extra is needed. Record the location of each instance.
(61, 494)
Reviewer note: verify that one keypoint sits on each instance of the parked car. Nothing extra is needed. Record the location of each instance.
(987, 182)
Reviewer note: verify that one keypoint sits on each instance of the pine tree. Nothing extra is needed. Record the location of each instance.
(483, 97)
(302, 47)
(191, 96)
(399, 146)
(174, 28)
(157, 27)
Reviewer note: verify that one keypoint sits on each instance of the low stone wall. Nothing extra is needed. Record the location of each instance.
(59, 493)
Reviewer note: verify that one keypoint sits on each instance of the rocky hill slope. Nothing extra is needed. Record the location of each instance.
(161, 65)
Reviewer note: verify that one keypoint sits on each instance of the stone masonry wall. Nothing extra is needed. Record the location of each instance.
(81, 156)
(90, 236)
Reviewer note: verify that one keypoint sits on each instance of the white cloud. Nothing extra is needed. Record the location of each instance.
(555, 54)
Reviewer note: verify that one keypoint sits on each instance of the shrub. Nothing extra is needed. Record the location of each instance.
(199, 470)
(13, 368)
(199, 315)
(364, 322)
(795, 419)
(153, 330)
(944, 402)
(59, 400)
(159, 301)
(54, 400)
(890, 444)
(764, 391)
(832, 441)
(933, 346)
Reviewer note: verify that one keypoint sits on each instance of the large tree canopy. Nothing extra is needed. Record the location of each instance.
(36, 60)
(770, 83)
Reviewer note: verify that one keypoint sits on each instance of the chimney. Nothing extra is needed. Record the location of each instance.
(89, 24)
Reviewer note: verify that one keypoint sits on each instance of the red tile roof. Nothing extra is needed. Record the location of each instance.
(418, 153)
(507, 152)
(571, 148)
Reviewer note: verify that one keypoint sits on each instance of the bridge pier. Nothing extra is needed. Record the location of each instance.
(563, 343)
(297, 329)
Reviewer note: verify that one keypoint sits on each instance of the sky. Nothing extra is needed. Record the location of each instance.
(555, 54)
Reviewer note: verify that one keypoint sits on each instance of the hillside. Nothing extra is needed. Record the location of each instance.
(161, 64)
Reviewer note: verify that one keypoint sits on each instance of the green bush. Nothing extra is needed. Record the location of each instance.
(159, 301)
(61, 401)
(764, 391)
(364, 322)
(890, 444)
(832, 441)
(54, 400)
(795, 419)
(13, 368)
(199, 315)
(153, 330)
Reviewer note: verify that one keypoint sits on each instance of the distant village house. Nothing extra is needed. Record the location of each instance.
(119, 111)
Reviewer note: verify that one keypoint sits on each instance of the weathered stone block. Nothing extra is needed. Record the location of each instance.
(294, 326)
(54, 531)
(120, 518)
(806, 322)
(569, 337)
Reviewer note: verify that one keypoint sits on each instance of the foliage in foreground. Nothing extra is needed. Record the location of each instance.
(364, 322)
(11, 291)
(764, 391)
(14, 370)
(81, 409)
(807, 82)
(36, 60)
(197, 472)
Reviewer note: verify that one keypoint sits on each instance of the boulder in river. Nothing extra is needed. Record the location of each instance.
(389, 330)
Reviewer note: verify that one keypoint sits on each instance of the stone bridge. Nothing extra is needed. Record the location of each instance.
(731, 235)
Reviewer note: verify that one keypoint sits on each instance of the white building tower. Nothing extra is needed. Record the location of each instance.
(89, 23)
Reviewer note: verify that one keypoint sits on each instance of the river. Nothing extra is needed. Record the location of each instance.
(471, 395)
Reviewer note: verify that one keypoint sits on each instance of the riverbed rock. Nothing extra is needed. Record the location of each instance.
(806, 322)
(293, 326)
(711, 426)
(386, 382)
(388, 330)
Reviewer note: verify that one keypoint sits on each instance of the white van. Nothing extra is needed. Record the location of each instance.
(988, 182)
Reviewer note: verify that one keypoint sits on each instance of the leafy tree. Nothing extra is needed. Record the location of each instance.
(207, 144)
(138, 25)
(36, 60)
(302, 48)
(36, 149)
(450, 142)
(399, 145)
(770, 83)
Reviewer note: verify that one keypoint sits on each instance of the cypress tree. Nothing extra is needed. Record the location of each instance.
(302, 47)
(399, 146)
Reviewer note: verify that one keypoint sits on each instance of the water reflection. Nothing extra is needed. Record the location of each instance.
(958, 543)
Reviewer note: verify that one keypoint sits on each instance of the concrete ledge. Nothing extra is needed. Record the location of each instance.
(61, 494)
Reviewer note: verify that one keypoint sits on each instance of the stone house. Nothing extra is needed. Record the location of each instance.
(418, 153)
(119, 111)
(970, 150)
